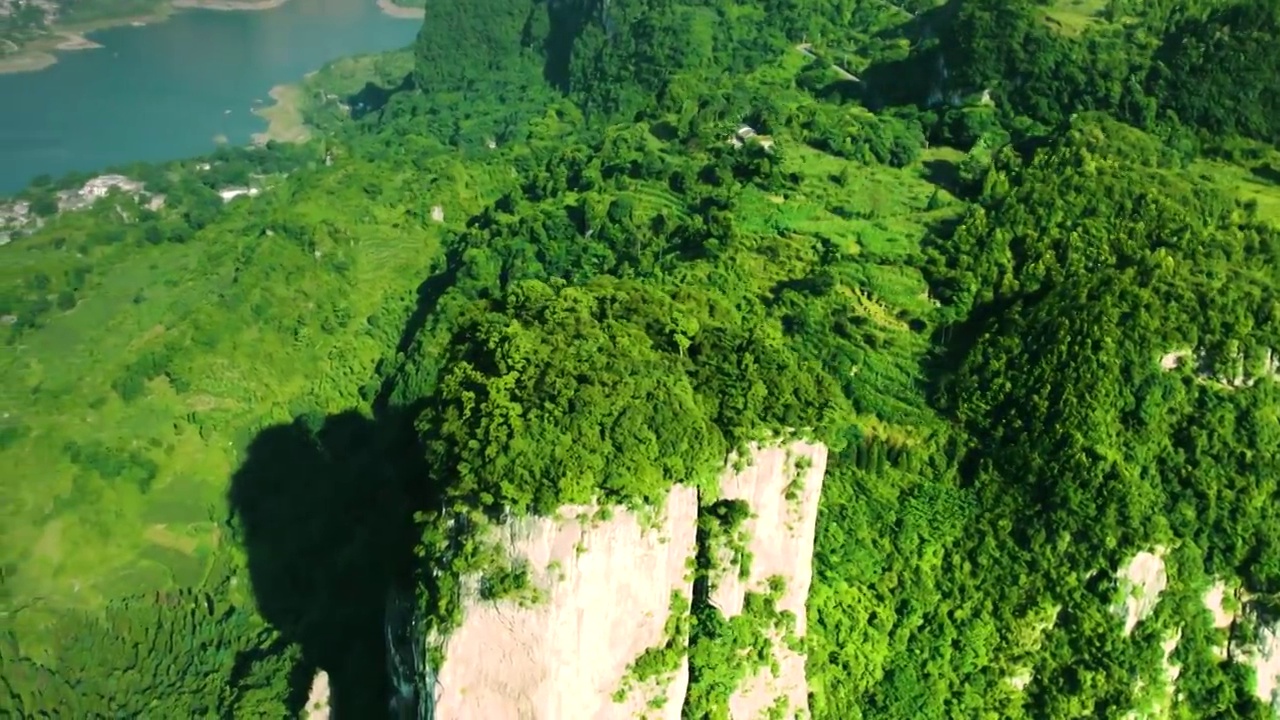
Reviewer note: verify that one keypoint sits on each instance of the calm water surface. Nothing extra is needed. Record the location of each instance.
(163, 91)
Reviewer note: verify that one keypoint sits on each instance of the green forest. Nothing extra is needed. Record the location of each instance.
(1017, 264)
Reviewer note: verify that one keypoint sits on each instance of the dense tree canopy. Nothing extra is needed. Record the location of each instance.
(543, 259)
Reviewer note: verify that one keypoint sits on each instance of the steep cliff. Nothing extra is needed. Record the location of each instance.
(782, 487)
(604, 632)
(606, 589)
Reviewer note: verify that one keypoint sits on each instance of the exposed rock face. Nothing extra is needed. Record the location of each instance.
(1265, 658)
(782, 486)
(607, 587)
(1143, 580)
(608, 592)
(1261, 653)
(318, 698)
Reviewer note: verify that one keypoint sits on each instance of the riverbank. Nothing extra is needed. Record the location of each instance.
(285, 122)
(76, 41)
(26, 61)
(42, 52)
(389, 7)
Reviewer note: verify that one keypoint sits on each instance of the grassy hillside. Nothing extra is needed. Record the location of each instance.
(239, 422)
(126, 413)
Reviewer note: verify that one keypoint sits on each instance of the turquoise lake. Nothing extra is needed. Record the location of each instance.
(166, 90)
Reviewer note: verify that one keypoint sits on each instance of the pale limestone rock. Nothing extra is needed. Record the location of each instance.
(318, 698)
(781, 535)
(608, 588)
(1143, 579)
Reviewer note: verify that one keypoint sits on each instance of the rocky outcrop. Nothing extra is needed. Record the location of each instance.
(605, 585)
(607, 588)
(1228, 604)
(782, 486)
(1142, 581)
(318, 698)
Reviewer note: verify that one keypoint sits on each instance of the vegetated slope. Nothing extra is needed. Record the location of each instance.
(642, 306)
(1204, 65)
(209, 324)
(998, 456)
(1089, 258)
(130, 404)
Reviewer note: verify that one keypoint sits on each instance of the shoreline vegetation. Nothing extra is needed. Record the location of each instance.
(39, 56)
(1036, 326)
(42, 52)
(285, 122)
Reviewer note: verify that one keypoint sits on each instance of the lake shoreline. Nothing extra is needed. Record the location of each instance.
(183, 86)
(41, 53)
(228, 5)
(284, 117)
(389, 7)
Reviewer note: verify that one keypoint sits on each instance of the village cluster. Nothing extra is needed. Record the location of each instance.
(17, 217)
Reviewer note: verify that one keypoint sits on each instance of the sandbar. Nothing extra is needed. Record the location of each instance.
(39, 54)
(284, 117)
(26, 61)
(228, 4)
(75, 41)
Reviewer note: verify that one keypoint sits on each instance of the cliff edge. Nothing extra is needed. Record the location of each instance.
(606, 589)
(782, 486)
(605, 586)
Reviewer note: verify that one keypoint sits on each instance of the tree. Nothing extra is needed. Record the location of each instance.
(44, 204)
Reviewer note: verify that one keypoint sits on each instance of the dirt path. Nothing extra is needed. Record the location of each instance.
(807, 50)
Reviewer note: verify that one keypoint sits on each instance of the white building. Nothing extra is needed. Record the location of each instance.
(229, 194)
(101, 185)
(745, 133)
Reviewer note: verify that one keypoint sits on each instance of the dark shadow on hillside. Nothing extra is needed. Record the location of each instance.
(1266, 173)
(567, 18)
(324, 516)
(944, 174)
(910, 81)
(952, 339)
(900, 82)
(372, 98)
(928, 23)
(843, 91)
(429, 293)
